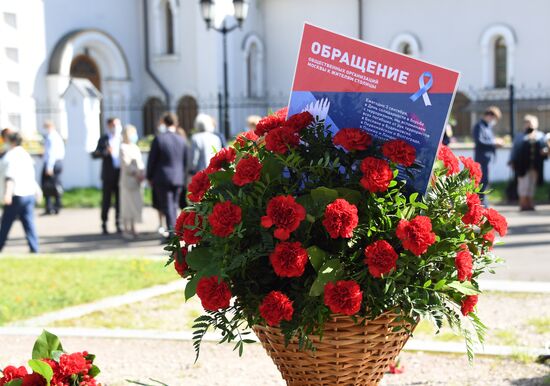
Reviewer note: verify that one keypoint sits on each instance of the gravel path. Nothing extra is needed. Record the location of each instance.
(172, 363)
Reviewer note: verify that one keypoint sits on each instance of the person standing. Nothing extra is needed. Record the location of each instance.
(166, 167)
(108, 149)
(132, 175)
(486, 144)
(19, 192)
(54, 153)
(204, 143)
(527, 159)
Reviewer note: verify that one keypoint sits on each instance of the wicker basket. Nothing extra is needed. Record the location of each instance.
(348, 354)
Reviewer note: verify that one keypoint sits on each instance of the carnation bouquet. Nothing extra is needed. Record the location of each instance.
(294, 224)
(52, 366)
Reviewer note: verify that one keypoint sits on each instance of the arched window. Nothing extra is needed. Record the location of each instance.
(165, 27)
(152, 111)
(407, 44)
(187, 112)
(500, 63)
(83, 66)
(169, 29)
(498, 44)
(406, 49)
(253, 60)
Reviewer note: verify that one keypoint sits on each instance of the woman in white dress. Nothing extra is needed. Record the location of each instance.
(132, 175)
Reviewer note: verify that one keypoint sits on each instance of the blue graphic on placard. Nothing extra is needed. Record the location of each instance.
(421, 127)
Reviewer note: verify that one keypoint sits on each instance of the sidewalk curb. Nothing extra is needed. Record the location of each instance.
(515, 286)
(101, 333)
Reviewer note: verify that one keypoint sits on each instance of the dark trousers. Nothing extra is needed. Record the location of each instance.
(51, 186)
(168, 197)
(22, 207)
(110, 189)
(484, 183)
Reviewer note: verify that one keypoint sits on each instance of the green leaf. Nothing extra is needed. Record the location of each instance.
(330, 271)
(45, 345)
(309, 205)
(56, 355)
(323, 196)
(272, 168)
(465, 288)
(221, 177)
(191, 287)
(350, 195)
(427, 284)
(199, 258)
(440, 284)
(15, 382)
(42, 368)
(94, 371)
(316, 257)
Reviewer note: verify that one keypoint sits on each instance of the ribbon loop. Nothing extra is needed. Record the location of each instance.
(423, 90)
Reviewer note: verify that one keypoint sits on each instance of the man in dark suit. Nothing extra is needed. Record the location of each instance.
(486, 144)
(166, 168)
(108, 149)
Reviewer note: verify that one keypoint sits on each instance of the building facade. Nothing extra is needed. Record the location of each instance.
(148, 56)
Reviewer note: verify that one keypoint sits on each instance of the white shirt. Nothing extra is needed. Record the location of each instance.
(114, 143)
(54, 149)
(18, 166)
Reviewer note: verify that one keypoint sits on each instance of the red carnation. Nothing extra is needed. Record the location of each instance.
(266, 124)
(289, 259)
(352, 139)
(187, 226)
(33, 379)
(280, 139)
(473, 167)
(340, 219)
(224, 217)
(343, 297)
(377, 174)
(490, 238)
(299, 121)
(276, 307)
(181, 267)
(285, 214)
(468, 304)
(449, 160)
(400, 152)
(416, 235)
(475, 210)
(464, 263)
(221, 159)
(11, 372)
(247, 170)
(214, 294)
(243, 138)
(381, 258)
(497, 221)
(71, 364)
(199, 185)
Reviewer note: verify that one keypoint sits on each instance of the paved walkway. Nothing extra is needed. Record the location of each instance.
(76, 231)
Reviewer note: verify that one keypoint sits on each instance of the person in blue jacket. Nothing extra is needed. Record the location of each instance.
(486, 144)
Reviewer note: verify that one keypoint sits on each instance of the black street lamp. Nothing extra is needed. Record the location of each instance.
(241, 11)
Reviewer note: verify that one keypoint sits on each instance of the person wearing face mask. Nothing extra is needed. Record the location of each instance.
(527, 160)
(54, 153)
(108, 150)
(486, 144)
(19, 190)
(166, 167)
(132, 175)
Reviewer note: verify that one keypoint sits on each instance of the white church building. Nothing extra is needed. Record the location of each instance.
(142, 57)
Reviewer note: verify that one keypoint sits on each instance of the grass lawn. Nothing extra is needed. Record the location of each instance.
(32, 286)
(90, 198)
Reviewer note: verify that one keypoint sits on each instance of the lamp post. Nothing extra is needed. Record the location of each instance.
(241, 11)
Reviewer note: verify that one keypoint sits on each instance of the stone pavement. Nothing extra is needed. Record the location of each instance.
(77, 231)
